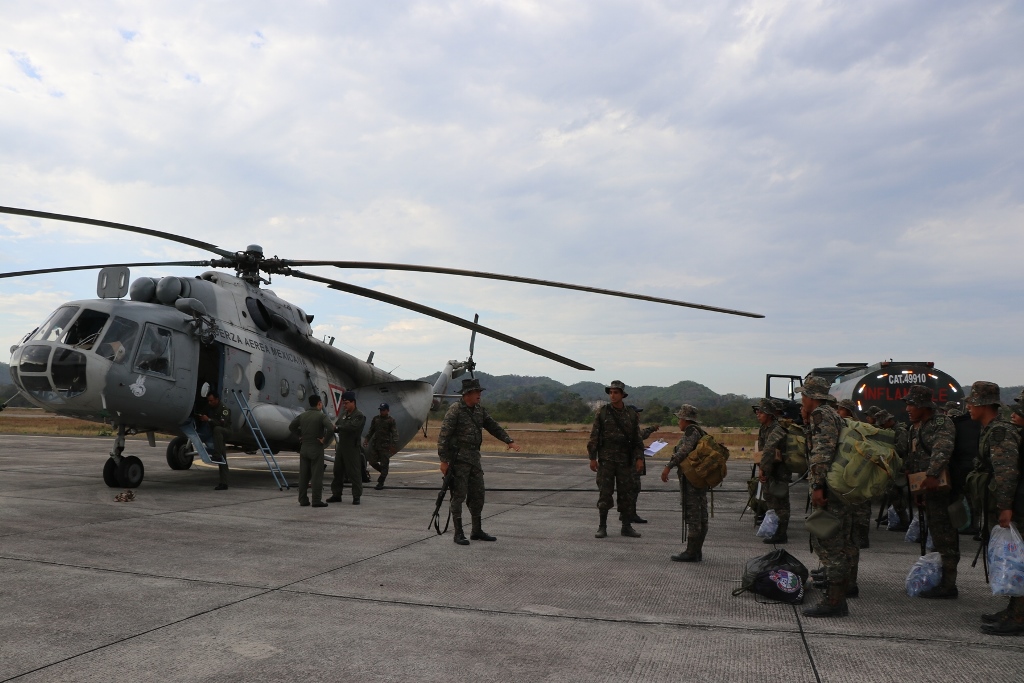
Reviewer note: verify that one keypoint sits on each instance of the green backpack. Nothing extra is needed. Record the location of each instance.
(865, 462)
(705, 466)
(794, 454)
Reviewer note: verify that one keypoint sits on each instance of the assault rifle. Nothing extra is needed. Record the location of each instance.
(446, 485)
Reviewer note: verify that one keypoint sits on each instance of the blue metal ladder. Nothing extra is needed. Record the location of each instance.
(189, 430)
(261, 441)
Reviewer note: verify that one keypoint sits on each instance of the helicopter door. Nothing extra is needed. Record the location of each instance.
(163, 380)
(235, 375)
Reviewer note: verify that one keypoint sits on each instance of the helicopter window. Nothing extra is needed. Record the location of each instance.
(154, 354)
(300, 392)
(284, 387)
(55, 325)
(86, 329)
(259, 380)
(69, 372)
(258, 312)
(35, 358)
(118, 340)
(36, 384)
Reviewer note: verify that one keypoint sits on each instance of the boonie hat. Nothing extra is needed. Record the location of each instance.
(816, 388)
(766, 405)
(687, 412)
(849, 405)
(469, 385)
(616, 384)
(920, 396)
(984, 394)
(882, 416)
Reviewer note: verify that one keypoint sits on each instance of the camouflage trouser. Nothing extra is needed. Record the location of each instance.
(695, 510)
(944, 535)
(467, 485)
(637, 486)
(779, 503)
(861, 522)
(839, 554)
(380, 460)
(617, 477)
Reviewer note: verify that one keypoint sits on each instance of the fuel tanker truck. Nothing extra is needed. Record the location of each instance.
(883, 384)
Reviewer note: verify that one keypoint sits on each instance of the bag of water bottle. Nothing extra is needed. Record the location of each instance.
(769, 526)
(926, 573)
(893, 516)
(1006, 561)
(913, 531)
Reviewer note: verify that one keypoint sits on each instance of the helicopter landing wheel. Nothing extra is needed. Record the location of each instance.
(179, 456)
(110, 474)
(130, 472)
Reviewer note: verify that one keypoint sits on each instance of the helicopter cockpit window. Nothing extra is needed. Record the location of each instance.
(86, 329)
(118, 340)
(154, 354)
(56, 324)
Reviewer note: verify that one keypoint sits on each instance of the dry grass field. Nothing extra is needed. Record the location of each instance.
(546, 439)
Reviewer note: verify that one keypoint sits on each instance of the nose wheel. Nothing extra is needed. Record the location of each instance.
(122, 471)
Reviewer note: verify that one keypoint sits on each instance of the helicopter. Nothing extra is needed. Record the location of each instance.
(144, 362)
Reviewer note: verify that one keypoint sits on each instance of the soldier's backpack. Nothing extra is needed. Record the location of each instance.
(777, 576)
(794, 455)
(705, 466)
(865, 462)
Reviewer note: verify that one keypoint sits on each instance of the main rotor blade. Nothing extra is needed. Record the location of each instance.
(43, 271)
(372, 265)
(440, 315)
(213, 248)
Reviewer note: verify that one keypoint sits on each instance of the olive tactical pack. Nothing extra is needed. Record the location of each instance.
(705, 467)
(794, 454)
(865, 462)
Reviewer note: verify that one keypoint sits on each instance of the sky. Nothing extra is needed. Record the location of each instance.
(850, 170)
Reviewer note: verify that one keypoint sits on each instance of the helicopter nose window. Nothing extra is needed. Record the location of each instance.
(68, 372)
(154, 354)
(118, 340)
(35, 358)
(56, 324)
(86, 329)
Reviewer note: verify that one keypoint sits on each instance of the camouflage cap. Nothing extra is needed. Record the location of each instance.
(1018, 409)
(920, 396)
(816, 388)
(954, 405)
(871, 411)
(616, 384)
(687, 412)
(984, 394)
(849, 405)
(883, 416)
(767, 405)
(1019, 399)
(469, 385)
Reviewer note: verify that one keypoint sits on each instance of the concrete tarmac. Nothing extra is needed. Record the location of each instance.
(190, 584)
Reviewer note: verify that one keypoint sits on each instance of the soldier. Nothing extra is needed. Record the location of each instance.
(774, 476)
(694, 500)
(953, 409)
(458, 446)
(837, 553)
(616, 451)
(999, 455)
(931, 446)
(894, 493)
(644, 433)
(348, 456)
(215, 421)
(869, 414)
(312, 427)
(382, 440)
(848, 409)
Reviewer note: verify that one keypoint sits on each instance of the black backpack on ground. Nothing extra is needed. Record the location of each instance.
(777, 576)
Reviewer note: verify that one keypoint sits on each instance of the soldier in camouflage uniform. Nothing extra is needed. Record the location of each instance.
(348, 456)
(931, 447)
(847, 410)
(774, 476)
(215, 420)
(953, 409)
(644, 433)
(458, 446)
(313, 427)
(999, 456)
(894, 493)
(616, 451)
(694, 500)
(382, 439)
(838, 553)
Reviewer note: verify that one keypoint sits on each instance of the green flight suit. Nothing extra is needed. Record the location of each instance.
(313, 428)
(348, 457)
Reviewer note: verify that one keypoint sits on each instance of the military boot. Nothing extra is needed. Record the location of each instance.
(993, 617)
(947, 587)
(460, 537)
(629, 531)
(478, 534)
(1010, 625)
(637, 519)
(833, 604)
(602, 530)
(691, 554)
(380, 482)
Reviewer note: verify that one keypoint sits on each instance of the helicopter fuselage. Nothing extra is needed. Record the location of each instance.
(141, 363)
